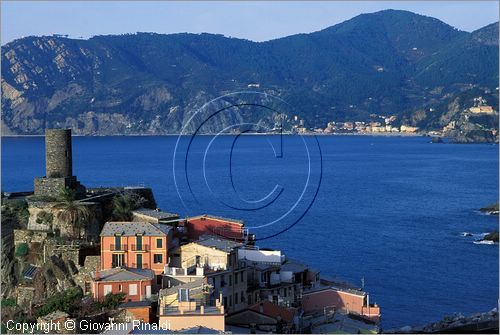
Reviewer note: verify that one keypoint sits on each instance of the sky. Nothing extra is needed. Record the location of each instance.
(255, 20)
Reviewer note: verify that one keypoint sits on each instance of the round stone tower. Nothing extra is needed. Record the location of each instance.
(58, 161)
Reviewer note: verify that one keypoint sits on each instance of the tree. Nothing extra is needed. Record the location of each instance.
(66, 301)
(113, 300)
(124, 204)
(71, 211)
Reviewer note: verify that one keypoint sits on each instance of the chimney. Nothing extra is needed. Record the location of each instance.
(97, 275)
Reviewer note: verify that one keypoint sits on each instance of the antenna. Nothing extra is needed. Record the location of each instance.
(363, 283)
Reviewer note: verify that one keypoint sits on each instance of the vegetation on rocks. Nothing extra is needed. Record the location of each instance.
(71, 211)
(67, 301)
(21, 250)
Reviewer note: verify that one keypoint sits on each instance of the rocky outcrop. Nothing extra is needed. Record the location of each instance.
(456, 324)
(491, 209)
(54, 276)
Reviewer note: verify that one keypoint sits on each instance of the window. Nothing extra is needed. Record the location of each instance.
(107, 289)
(230, 300)
(222, 281)
(242, 296)
(139, 242)
(225, 302)
(235, 298)
(120, 288)
(249, 299)
(117, 260)
(139, 261)
(230, 280)
(88, 287)
(183, 294)
(235, 279)
(158, 258)
(242, 276)
(159, 243)
(263, 277)
(118, 242)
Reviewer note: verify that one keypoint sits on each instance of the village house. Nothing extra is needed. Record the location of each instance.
(140, 245)
(264, 316)
(209, 252)
(190, 305)
(137, 284)
(340, 296)
(274, 278)
(217, 259)
(212, 225)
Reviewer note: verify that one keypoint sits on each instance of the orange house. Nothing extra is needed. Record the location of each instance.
(137, 284)
(139, 245)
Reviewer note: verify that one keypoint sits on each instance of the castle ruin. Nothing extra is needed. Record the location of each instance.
(58, 165)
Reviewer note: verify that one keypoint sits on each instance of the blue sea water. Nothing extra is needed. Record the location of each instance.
(390, 210)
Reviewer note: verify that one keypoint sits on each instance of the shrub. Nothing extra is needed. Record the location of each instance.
(21, 249)
(9, 302)
(67, 301)
(111, 301)
(44, 218)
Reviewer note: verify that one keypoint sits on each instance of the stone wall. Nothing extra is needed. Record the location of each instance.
(25, 295)
(43, 217)
(28, 236)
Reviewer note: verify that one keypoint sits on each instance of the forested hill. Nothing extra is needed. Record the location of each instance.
(386, 63)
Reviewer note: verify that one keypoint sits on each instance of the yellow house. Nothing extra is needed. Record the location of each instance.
(209, 252)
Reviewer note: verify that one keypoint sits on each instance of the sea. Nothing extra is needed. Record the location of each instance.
(383, 213)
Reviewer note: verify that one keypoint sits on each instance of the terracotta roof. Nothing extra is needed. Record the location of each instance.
(124, 274)
(271, 309)
(111, 228)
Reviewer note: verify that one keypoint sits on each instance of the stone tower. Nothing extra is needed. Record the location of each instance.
(58, 165)
(58, 161)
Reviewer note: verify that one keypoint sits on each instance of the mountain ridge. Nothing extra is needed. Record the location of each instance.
(150, 83)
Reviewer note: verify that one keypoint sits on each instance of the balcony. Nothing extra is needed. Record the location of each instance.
(120, 247)
(142, 266)
(140, 248)
(198, 310)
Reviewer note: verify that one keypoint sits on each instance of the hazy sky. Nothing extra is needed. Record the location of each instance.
(257, 21)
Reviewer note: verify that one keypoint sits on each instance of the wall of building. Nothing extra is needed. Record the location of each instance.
(234, 287)
(354, 303)
(98, 289)
(211, 257)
